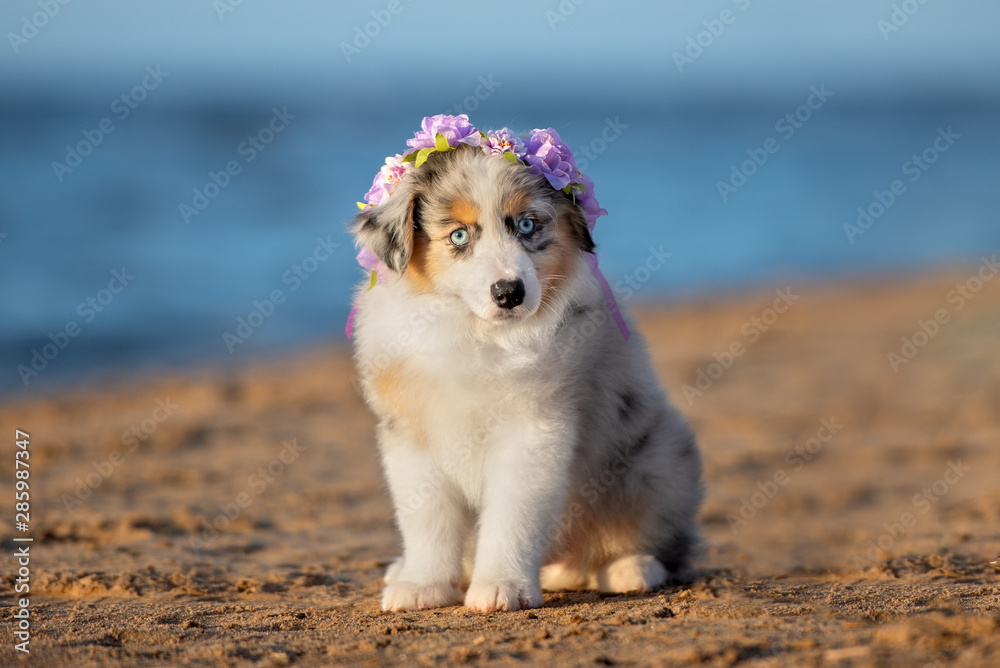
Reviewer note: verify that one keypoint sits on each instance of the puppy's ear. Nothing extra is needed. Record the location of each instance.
(579, 232)
(387, 229)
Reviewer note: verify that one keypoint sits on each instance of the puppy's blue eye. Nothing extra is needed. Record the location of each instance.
(460, 237)
(526, 226)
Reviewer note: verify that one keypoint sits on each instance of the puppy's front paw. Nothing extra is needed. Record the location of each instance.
(393, 570)
(403, 595)
(503, 595)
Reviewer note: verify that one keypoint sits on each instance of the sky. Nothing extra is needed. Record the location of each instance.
(233, 45)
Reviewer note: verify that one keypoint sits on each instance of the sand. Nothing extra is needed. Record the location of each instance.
(853, 510)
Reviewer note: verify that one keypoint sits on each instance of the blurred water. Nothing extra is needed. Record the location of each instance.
(658, 179)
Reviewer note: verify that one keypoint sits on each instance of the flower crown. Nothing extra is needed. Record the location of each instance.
(543, 152)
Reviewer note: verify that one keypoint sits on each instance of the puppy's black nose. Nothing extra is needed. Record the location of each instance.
(507, 294)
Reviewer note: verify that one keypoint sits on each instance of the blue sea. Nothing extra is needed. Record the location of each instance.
(738, 195)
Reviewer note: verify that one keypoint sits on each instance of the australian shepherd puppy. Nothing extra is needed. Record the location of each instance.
(527, 445)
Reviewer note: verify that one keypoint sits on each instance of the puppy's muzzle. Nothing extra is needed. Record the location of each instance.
(508, 294)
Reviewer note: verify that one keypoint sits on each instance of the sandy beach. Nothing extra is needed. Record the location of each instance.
(851, 439)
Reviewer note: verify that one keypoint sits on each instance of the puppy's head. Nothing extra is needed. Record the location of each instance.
(477, 227)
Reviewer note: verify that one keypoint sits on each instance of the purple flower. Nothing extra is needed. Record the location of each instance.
(588, 201)
(369, 260)
(387, 179)
(503, 141)
(549, 156)
(456, 129)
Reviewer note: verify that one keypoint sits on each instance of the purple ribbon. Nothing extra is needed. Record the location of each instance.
(349, 330)
(608, 295)
(369, 261)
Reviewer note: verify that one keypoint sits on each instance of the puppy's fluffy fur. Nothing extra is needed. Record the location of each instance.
(524, 447)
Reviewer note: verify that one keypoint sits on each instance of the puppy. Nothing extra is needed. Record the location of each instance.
(526, 443)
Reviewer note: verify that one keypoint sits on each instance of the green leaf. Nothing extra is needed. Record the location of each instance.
(422, 155)
(410, 157)
(509, 155)
(374, 279)
(441, 143)
(362, 205)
